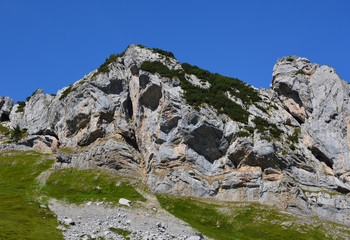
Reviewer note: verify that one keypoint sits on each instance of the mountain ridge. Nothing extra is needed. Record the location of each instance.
(186, 131)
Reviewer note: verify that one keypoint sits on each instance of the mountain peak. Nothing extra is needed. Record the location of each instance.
(187, 131)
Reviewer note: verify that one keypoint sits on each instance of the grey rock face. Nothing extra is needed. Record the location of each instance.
(322, 98)
(38, 115)
(138, 122)
(6, 105)
(112, 153)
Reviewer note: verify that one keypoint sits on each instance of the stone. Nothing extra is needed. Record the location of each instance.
(194, 238)
(125, 202)
(68, 221)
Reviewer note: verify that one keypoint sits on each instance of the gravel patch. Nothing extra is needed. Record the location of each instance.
(100, 220)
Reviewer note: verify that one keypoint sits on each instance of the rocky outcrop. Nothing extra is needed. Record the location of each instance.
(113, 153)
(319, 99)
(322, 104)
(6, 105)
(291, 152)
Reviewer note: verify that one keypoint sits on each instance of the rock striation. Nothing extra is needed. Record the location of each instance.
(290, 150)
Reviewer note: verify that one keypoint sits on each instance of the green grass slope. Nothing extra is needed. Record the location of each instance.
(21, 195)
(78, 186)
(247, 221)
(20, 214)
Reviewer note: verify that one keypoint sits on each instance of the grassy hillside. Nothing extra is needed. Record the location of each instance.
(78, 186)
(23, 216)
(247, 221)
(21, 195)
(20, 214)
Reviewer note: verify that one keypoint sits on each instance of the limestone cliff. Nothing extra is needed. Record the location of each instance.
(144, 113)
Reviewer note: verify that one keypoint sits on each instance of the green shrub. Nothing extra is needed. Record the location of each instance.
(261, 108)
(157, 50)
(4, 130)
(300, 72)
(294, 137)
(214, 96)
(249, 129)
(105, 66)
(242, 134)
(21, 106)
(165, 53)
(158, 67)
(236, 87)
(17, 134)
(28, 98)
(66, 92)
(266, 128)
(120, 231)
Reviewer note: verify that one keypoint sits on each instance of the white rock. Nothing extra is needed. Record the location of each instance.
(68, 221)
(125, 202)
(193, 238)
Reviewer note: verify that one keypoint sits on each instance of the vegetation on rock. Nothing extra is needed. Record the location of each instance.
(300, 72)
(17, 134)
(66, 92)
(214, 96)
(160, 51)
(28, 98)
(220, 83)
(121, 232)
(4, 130)
(266, 128)
(21, 106)
(294, 138)
(105, 66)
(165, 53)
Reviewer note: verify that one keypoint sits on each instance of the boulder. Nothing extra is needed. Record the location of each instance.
(125, 202)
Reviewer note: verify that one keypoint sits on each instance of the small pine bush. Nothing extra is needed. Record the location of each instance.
(165, 53)
(17, 134)
(66, 92)
(21, 106)
(214, 96)
(28, 98)
(300, 72)
(264, 127)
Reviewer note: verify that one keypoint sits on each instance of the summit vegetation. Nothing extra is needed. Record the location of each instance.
(215, 95)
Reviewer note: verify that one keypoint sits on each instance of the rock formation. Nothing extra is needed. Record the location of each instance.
(6, 105)
(287, 146)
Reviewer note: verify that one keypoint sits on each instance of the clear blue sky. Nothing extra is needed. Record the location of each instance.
(51, 44)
